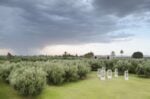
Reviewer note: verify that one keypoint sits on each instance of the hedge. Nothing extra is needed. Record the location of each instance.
(28, 80)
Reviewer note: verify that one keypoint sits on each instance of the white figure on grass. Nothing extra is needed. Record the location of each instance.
(103, 73)
(126, 75)
(109, 74)
(99, 73)
(116, 72)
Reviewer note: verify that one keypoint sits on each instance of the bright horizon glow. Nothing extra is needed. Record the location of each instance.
(100, 49)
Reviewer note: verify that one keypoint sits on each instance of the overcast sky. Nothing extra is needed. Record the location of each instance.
(29, 27)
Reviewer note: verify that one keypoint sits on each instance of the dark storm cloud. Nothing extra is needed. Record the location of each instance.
(122, 7)
(27, 24)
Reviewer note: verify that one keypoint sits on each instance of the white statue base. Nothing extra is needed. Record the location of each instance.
(126, 75)
(102, 78)
(126, 78)
(109, 77)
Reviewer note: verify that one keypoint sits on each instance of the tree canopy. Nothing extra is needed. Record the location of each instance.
(137, 55)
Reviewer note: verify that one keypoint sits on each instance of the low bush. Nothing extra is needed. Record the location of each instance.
(66, 71)
(143, 70)
(122, 66)
(109, 64)
(95, 64)
(140, 70)
(71, 73)
(134, 65)
(5, 70)
(83, 70)
(28, 80)
(55, 74)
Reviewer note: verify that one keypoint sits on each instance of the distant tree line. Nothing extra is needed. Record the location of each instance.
(65, 55)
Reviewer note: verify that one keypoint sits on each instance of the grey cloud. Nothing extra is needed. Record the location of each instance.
(122, 8)
(37, 23)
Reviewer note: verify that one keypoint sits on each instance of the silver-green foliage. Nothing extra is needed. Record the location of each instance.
(28, 80)
(5, 70)
(71, 73)
(143, 70)
(95, 64)
(55, 73)
(65, 71)
(83, 69)
(122, 66)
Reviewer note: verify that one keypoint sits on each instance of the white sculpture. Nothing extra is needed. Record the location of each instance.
(116, 73)
(99, 73)
(109, 74)
(103, 73)
(126, 76)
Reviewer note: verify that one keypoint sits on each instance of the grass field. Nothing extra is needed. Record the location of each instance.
(91, 88)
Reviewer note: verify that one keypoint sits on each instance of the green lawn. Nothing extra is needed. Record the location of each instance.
(91, 88)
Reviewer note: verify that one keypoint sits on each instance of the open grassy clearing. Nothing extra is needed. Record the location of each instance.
(91, 88)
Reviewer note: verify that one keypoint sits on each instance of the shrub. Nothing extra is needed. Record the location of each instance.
(140, 70)
(55, 74)
(144, 69)
(110, 63)
(71, 73)
(122, 65)
(134, 65)
(28, 80)
(147, 71)
(95, 64)
(83, 69)
(5, 70)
